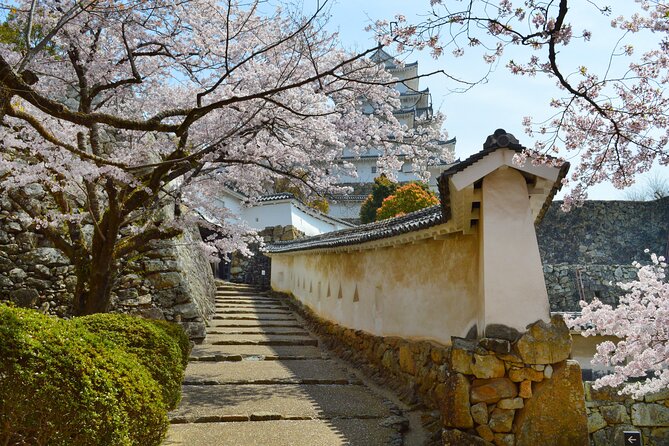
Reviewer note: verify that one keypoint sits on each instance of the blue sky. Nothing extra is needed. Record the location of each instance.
(505, 99)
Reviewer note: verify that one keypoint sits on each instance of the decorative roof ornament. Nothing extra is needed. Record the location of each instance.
(500, 139)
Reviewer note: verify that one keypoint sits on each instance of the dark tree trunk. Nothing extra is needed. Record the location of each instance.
(96, 272)
(95, 279)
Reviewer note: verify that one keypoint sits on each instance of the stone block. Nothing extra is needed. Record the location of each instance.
(659, 436)
(602, 394)
(407, 362)
(501, 331)
(501, 420)
(163, 281)
(462, 355)
(525, 374)
(555, 415)
(455, 405)
(17, 275)
(485, 432)
(615, 414)
(438, 354)
(504, 440)
(487, 366)
(479, 413)
(525, 390)
(47, 256)
(492, 390)
(612, 435)
(454, 437)
(153, 313)
(511, 403)
(25, 297)
(650, 414)
(657, 396)
(501, 346)
(187, 311)
(545, 343)
(596, 422)
(194, 330)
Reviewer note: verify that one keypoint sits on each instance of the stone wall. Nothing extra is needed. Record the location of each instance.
(523, 392)
(256, 270)
(563, 281)
(598, 242)
(610, 414)
(173, 281)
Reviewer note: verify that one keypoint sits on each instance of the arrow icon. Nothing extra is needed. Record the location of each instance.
(632, 438)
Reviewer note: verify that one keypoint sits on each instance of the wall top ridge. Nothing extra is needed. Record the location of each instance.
(439, 214)
(414, 221)
(500, 139)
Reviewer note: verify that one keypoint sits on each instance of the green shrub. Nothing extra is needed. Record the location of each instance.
(158, 345)
(179, 335)
(62, 385)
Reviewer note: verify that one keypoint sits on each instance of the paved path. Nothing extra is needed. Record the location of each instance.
(260, 378)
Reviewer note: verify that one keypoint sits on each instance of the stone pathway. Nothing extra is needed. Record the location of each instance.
(260, 378)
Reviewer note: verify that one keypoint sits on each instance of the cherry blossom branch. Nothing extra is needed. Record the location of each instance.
(44, 133)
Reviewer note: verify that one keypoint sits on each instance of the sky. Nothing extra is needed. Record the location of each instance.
(506, 98)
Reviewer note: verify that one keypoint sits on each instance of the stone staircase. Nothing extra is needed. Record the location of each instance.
(259, 378)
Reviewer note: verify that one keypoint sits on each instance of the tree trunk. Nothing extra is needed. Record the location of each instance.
(96, 272)
(94, 286)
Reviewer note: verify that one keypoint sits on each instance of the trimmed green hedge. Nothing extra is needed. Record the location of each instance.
(153, 344)
(97, 380)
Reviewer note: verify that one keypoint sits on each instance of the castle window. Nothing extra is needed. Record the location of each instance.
(373, 169)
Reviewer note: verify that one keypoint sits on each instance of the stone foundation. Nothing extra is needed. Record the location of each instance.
(523, 391)
(610, 414)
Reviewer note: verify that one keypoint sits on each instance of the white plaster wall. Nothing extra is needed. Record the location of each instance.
(275, 214)
(287, 212)
(345, 209)
(425, 290)
(513, 279)
(312, 224)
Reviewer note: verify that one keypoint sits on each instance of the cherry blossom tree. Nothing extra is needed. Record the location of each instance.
(124, 112)
(641, 321)
(616, 120)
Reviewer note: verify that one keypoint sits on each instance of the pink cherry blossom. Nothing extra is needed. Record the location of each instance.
(127, 112)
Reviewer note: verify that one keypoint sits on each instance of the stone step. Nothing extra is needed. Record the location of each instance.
(307, 371)
(253, 323)
(258, 300)
(252, 311)
(223, 283)
(292, 331)
(258, 339)
(220, 307)
(232, 293)
(265, 317)
(283, 402)
(208, 352)
(337, 432)
(251, 304)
